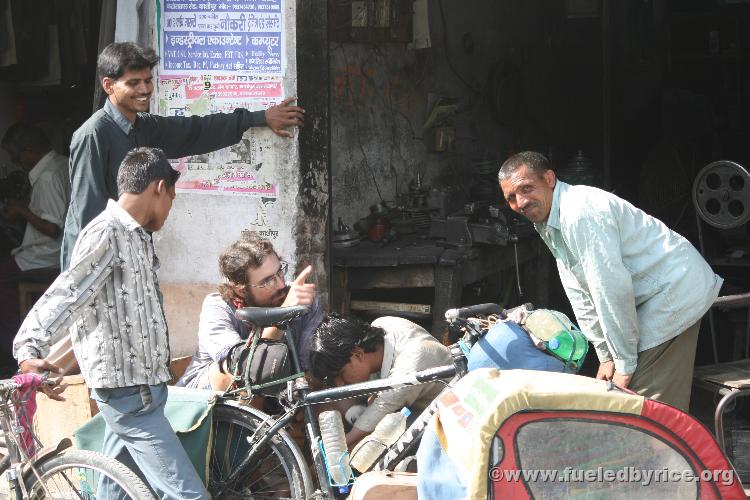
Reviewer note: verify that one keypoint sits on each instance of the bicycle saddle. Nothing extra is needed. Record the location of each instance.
(270, 316)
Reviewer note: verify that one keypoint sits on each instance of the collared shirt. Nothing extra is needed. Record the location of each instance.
(633, 283)
(407, 348)
(219, 330)
(99, 146)
(110, 299)
(50, 195)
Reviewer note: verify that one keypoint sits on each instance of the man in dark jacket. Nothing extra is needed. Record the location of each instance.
(99, 145)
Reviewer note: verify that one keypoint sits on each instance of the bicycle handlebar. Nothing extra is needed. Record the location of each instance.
(7, 386)
(476, 310)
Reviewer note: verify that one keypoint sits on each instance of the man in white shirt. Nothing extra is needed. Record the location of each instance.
(638, 289)
(38, 257)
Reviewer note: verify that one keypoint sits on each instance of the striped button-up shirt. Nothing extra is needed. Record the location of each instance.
(110, 300)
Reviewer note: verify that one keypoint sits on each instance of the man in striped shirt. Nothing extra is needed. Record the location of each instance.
(110, 300)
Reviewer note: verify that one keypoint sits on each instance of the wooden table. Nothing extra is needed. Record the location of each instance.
(414, 262)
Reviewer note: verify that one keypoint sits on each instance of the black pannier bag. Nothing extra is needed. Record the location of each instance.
(263, 367)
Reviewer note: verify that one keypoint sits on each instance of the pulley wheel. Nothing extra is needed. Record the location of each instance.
(721, 194)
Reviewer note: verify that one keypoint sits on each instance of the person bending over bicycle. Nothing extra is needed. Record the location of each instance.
(345, 350)
(254, 277)
(110, 299)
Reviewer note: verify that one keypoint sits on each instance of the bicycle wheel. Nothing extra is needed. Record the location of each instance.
(77, 474)
(276, 471)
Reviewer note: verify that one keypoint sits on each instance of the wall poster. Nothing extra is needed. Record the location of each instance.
(217, 56)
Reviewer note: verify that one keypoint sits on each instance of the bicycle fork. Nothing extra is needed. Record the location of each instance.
(313, 436)
(311, 424)
(14, 474)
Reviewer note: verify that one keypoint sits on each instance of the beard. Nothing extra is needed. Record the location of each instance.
(278, 298)
(252, 299)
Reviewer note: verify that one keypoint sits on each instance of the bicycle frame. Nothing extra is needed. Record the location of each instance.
(306, 399)
(14, 466)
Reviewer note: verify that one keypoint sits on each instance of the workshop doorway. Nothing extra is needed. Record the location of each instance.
(427, 98)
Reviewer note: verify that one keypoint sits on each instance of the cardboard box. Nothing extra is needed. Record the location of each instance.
(385, 485)
(55, 420)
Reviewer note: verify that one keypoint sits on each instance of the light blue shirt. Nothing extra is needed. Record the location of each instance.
(633, 283)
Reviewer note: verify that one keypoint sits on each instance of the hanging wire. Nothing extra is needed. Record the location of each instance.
(447, 53)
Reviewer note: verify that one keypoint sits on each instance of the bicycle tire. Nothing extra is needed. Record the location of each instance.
(278, 471)
(76, 474)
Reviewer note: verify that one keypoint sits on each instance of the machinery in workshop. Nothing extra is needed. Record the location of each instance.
(431, 240)
(438, 215)
(479, 222)
(721, 197)
(485, 219)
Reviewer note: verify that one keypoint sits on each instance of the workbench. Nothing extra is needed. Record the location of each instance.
(417, 262)
(729, 381)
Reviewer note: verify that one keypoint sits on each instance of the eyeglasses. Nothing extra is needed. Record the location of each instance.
(281, 273)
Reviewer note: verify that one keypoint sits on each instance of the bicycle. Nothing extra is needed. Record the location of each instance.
(58, 472)
(253, 456)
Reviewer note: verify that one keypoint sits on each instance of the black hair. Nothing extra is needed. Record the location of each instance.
(141, 167)
(25, 137)
(333, 343)
(117, 58)
(537, 163)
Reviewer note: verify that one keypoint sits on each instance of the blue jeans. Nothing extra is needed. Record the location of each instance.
(139, 435)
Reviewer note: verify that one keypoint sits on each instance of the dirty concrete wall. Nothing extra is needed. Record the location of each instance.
(525, 75)
(376, 113)
(311, 231)
(201, 226)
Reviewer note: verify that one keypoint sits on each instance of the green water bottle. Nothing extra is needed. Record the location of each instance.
(569, 345)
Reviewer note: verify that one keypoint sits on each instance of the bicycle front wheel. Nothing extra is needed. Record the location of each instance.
(276, 471)
(79, 474)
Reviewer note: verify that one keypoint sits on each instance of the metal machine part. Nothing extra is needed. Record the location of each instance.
(479, 222)
(579, 170)
(459, 231)
(344, 236)
(721, 194)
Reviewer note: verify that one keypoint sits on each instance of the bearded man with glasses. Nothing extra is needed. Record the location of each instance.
(254, 276)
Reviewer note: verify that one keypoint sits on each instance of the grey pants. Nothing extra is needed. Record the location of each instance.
(665, 372)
